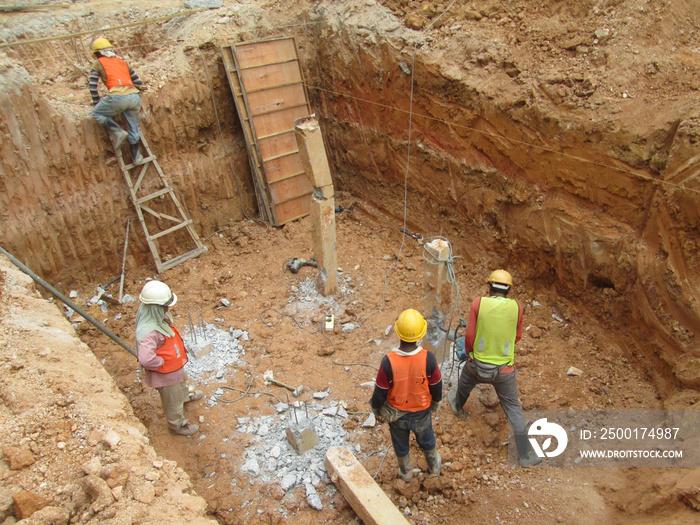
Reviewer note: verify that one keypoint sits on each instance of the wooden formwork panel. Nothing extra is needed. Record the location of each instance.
(283, 141)
(253, 153)
(255, 54)
(278, 121)
(291, 186)
(270, 95)
(264, 77)
(295, 208)
(282, 168)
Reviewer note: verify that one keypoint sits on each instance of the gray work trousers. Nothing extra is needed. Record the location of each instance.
(112, 105)
(506, 388)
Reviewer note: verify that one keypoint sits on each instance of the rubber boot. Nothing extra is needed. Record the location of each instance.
(135, 155)
(405, 469)
(116, 134)
(434, 460)
(452, 399)
(528, 457)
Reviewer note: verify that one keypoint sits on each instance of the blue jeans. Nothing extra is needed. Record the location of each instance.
(401, 430)
(112, 105)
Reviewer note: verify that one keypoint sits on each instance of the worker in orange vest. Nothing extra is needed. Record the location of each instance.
(123, 87)
(162, 354)
(408, 390)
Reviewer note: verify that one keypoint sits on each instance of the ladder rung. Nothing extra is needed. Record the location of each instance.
(182, 258)
(171, 229)
(165, 190)
(150, 158)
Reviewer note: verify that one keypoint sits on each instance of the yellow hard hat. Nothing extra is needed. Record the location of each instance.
(410, 326)
(501, 277)
(100, 43)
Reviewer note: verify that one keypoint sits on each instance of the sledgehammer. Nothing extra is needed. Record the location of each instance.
(269, 377)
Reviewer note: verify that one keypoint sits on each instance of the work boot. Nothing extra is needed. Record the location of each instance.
(405, 469)
(116, 134)
(528, 456)
(187, 429)
(136, 157)
(434, 460)
(452, 399)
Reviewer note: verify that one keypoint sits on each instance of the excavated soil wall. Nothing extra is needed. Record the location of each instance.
(602, 209)
(73, 450)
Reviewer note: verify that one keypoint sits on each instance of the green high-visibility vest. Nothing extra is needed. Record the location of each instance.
(496, 326)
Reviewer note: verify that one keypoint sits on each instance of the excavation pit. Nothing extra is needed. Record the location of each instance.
(539, 143)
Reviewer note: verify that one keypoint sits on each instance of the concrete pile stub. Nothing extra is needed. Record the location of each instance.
(437, 301)
(315, 163)
(302, 440)
(367, 498)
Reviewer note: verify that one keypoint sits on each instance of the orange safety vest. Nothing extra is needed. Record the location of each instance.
(117, 72)
(410, 391)
(173, 352)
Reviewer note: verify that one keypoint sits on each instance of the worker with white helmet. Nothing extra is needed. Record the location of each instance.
(495, 325)
(123, 87)
(162, 354)
(407, 391)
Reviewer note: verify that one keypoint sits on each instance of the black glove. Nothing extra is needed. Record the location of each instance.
(434, 407)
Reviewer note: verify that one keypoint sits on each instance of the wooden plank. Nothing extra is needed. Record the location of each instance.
(275, 135)
(159, 215)
(139, 180)
(171, 229)
(293, 174)
(265, 64)
(265, 52)
(272, 122)
(285, 141)
(154, 195)
(366, 498)
(269, 76)
(293, 209)
(277, 99)
(290, 188)
(281, 167)
(182, 258)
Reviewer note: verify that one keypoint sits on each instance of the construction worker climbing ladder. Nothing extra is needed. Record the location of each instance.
(123, 87)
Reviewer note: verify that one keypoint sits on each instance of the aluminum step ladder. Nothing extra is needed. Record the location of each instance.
(143, 191)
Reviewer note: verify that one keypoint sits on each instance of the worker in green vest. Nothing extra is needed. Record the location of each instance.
(495, 325)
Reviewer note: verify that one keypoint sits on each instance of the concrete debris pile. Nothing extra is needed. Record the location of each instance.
(212, 350)
(307, 302)
(272, 458)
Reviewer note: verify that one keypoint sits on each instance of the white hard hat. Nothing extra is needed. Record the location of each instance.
(157, 292)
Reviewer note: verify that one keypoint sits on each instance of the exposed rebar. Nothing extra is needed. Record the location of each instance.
(192, 330)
